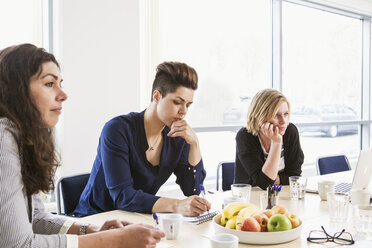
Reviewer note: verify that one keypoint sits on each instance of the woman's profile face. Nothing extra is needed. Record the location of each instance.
(47, 94)
(281, 118)
(174, 106)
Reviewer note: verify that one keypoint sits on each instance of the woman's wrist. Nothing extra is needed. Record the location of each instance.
(278, 141)
(175, 204)
(92, 229)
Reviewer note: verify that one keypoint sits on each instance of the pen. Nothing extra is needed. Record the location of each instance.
(202, 192)
(155, 216)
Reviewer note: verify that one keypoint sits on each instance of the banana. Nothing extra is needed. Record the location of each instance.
(246, 212)
(231, 222)
(233, 209)
(223, 219)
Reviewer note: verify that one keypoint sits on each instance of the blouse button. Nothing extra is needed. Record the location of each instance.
(194, 171)
(189, 168)
(194, 189)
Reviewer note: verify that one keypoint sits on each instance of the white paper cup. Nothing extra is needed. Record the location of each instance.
(224, 240)
(325, 187)
(171, 224)
(360, 197)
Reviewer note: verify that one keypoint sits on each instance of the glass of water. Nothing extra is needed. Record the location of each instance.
(297, 186)
(338, 206)
(362, 220)
(241, 191)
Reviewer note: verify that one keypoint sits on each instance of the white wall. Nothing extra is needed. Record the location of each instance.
(98, 47)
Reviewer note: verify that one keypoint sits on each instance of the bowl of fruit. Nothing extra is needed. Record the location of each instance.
(254, 226)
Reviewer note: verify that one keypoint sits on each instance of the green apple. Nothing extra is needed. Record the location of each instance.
(278, 222)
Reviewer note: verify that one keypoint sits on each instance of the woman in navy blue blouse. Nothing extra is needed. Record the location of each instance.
(138, 152)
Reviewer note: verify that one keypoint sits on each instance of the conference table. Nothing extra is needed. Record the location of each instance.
(312, 211)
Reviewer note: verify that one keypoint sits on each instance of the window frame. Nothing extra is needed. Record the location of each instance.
(150, 26)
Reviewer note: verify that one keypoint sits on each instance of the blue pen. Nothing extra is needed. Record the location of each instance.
(155, 216)
(280, 187)
(202, 192)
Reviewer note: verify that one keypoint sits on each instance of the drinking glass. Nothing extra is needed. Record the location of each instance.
(362, 220)
(241, 191)
(297, 186)
(338, 206)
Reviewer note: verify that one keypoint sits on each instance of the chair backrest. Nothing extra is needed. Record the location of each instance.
(332, 164)
(71, 188)
(227, 168)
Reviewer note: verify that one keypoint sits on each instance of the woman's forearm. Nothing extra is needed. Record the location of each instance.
(75, 228)
(165, 205)
(271, 165)
(194, 154)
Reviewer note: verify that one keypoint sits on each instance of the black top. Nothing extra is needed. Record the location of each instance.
(250, 158)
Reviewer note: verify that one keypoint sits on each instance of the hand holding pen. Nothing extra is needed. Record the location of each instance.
(155, 217)
(202, 193)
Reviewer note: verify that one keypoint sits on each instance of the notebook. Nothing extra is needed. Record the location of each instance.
(201, 218)
(361, 176)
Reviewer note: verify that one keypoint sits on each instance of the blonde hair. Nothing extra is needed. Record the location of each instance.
(264, 107)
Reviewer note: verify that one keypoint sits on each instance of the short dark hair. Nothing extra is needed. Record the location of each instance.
(170, 75)
(36, 143)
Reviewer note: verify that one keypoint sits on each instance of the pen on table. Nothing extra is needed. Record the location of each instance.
(155, 216)
(202, 192)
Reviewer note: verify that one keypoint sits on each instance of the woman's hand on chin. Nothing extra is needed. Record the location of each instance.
(271, 132)
(182, 129)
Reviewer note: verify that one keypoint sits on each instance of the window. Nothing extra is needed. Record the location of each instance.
(228, 43)
(322, 72)
(21, 21)
(319, 52)
(26, 21)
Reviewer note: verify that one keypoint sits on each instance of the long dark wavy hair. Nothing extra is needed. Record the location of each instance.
(35, 142)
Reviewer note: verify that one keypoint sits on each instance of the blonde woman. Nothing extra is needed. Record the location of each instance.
(268, 149)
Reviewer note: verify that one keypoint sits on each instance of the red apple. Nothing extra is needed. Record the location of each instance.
(279, 209)
(262, 219)
(250, 224)
(293, 219)
(268, 213)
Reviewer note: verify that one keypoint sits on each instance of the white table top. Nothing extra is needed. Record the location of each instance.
(312, 211)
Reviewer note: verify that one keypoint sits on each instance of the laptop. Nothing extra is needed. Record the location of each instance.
(347, 180)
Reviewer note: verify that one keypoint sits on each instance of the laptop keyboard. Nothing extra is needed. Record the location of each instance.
(342, 187)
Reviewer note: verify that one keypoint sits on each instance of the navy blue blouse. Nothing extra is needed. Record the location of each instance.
(122, 178)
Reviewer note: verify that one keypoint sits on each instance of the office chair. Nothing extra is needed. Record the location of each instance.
(332, 164)
(71, 188)
(228, 168)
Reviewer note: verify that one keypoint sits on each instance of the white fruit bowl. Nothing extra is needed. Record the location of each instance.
(258, 237)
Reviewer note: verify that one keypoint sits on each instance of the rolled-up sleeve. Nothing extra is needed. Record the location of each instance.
(189, 177)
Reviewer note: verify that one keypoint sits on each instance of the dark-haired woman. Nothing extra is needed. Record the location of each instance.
(138, 152)
(31, 100)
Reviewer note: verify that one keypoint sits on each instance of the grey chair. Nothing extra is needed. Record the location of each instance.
(332, 164)
(71, 188)
(227, 170)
